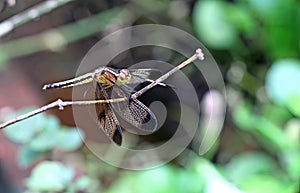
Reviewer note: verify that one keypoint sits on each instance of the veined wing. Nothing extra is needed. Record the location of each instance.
(106, 117)
(139, 76)
(134, 112)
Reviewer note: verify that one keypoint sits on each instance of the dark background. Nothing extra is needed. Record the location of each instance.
(256, 46)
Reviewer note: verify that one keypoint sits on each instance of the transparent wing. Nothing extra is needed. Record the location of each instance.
(144, 75)
(106, 116)
(134, 112)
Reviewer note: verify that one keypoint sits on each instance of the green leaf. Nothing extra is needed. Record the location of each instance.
(43, 142)
(51, 124)
(291, 163)
(281, 32)
(184, 177)
(268, 184)
(243, 166)
(291, 157)
(159, 180)
(264, 8)
(46, 139)
(24, 131)
(243, 116)
(266, 131)
(83, 183)
(69, 139)
(282, 81)
(161, 184)
(241, 19)
(213, 180)
(279, 115)
(27, 156)
(272, 136)
(50, 176)
(292, 130)
(293, 105)
(212, 25)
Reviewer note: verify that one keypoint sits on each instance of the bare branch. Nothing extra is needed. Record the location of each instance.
(198, 55)
(61, 104)
(30, 14)
(56, 39)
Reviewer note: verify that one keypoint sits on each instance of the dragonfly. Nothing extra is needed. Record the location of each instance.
(106, 78)
(111, 82)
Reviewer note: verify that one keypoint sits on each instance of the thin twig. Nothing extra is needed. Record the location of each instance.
(198, 55)
(29, 15)
(61, 104)
(56, 39)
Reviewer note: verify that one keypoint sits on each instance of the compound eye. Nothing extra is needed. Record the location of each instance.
(124, 74)
(124, 77)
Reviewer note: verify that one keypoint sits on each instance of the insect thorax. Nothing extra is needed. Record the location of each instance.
(105, 77)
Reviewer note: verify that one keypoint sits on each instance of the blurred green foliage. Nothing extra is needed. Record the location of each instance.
(271, 26)
(40, 135)
(55, 177)
(55, 39)
(263, 36)
(257, 46)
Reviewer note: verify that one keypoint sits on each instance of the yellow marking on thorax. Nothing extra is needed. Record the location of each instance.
(106, 79)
